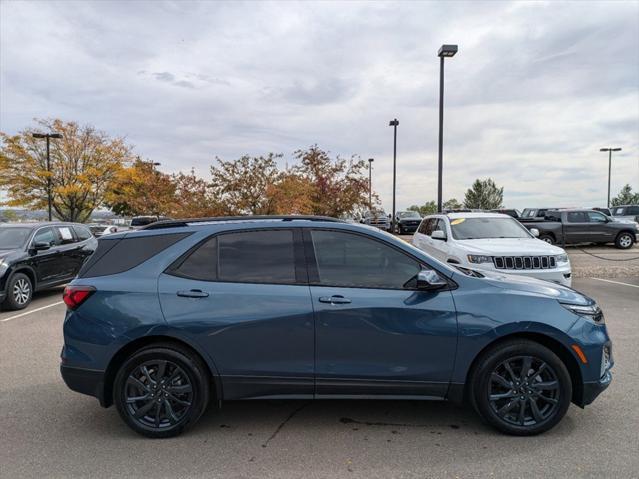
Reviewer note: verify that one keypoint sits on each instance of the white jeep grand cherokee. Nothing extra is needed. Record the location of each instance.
(491, 242)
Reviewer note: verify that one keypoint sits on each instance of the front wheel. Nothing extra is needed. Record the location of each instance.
(624, 241)
(547, 238)
(161, 390)
(521, 388)
(19, 292)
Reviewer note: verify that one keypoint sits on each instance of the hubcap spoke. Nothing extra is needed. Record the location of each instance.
(497, 378)
(525, 367)
(136, 382)
(144, 409)
(496, 397)
(546, 385)
(522, 412)
(535, 410)
(175, 389)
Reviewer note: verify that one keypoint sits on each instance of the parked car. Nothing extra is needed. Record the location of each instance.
(110, 229)
(138, 222)
(575, 226)
(626, 212)
(407, 221)
(491, 242)
(534, 213)
(315, 308)
(605, 211)
(510, 212)
(379, 219)
(96, 228)
(37, 256)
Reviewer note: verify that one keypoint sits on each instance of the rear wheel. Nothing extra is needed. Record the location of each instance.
(624, 241)
(521, 388)
(161, 390)
(19, 292)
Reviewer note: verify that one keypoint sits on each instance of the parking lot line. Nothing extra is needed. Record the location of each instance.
(617, 282)
(32, 311)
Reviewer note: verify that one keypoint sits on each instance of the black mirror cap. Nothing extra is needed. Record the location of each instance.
(429, 280)
(41, 246)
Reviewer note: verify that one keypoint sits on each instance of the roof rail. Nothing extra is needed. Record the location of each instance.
(188, 221)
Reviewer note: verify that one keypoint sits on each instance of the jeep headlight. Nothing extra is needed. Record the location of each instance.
(562, 258)
(478, 258)
(591, 312)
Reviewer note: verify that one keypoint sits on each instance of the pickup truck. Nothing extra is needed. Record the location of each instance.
(574, 226)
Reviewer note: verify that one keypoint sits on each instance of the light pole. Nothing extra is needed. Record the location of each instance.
(48, 136)
(370, 184)
(394, 123)
(609, 150)
(444, 51)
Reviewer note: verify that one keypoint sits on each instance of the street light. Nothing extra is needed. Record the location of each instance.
(394, 123)
(370, 184)
(609, 150)
(48, 136)
(444, 51)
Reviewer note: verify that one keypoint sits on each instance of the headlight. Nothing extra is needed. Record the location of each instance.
(562, 258)
(477, 258)
(592, 312)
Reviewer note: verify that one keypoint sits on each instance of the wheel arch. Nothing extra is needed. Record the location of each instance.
(630, 232)
(28, 271)
(566, 356)
(135, 345)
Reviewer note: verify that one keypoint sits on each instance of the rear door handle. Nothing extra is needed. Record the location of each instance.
(334, 299)
(194, 293)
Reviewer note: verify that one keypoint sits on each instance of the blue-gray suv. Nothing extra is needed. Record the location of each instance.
(164, 320)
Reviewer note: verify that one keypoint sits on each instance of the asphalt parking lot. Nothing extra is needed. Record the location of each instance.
(49, 431)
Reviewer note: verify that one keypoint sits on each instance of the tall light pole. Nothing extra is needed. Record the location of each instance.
(370, 184)
(48, 136)
(609, 150)
(394, 123)
(444, 51)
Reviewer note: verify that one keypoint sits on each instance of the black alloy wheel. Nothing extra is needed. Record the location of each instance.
(521, 387)
(160, 391)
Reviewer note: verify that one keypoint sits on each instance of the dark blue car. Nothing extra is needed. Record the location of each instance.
(164, 320)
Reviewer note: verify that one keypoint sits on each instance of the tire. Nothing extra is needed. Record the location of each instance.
(547, 238)
(497, 394)
(624, 240)
(182, 391)
(19, 292)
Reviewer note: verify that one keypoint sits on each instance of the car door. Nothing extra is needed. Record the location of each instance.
(422, 239)
(577, 227)
(48, 263)
(375, 333)
(600, 231)
(69, 250)
(243, 297)
(441, 247)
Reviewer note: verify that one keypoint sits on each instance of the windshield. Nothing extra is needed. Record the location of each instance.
(13, 238)
(481, 228)
(409, 214)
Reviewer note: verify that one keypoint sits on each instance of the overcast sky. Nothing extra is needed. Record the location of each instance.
(535, 90)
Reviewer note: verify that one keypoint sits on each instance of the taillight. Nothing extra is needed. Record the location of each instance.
(74, 296)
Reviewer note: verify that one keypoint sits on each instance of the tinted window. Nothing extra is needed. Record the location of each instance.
(82, 233)
(632, 210)
(595, 217)
(11, 238)
(46, 235)
(345, 259)
(577, 217)
(117, 255)
(257, 257)
(65, 233)
(202, 263)
(427, 226)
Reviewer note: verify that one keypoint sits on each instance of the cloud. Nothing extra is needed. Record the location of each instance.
(535, 90)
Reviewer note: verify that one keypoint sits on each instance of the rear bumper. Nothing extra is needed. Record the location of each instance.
(84, 381)
(595, 388)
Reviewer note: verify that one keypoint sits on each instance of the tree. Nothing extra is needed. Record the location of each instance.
(452, 204)
(140, 189)
(290, 194)
(194, 198)
(484, 195)
(428, 208)
(625, 197)
(241, 185)
(83, 163)
(337, 187)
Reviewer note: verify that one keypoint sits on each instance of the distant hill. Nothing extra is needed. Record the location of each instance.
(19, 214)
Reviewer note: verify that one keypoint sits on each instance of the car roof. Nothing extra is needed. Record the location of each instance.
(37, 224)
(474, 215)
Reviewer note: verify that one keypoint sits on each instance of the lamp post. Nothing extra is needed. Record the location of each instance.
(370, 184)
(444, 51)
(394, 123)
(48, 136)
(609, 150)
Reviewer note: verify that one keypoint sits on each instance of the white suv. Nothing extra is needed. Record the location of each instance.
(491, 242)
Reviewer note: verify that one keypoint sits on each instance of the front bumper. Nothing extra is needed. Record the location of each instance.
(595, 388)
(84, 381)
(408, 228)
(560, 275)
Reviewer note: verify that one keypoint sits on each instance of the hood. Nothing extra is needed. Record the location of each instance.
(4, 253)
(510, 247)
(536, 287)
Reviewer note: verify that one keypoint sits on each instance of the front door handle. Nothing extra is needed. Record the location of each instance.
(336, 299)
(194, 293)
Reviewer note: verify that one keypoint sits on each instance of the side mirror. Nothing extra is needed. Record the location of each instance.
(534, 232)
(41, 246)
(429, 280)
(438, 235)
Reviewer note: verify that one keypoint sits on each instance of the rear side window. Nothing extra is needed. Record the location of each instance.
(82, 233)
(66, 234)
(577, 217)
(632, 210)
(201, 264)
(257, 257)
(118, 255)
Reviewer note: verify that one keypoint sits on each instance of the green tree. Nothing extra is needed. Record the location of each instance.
(452, 204)
(428, 208)
(625, 197)
(484, 195)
